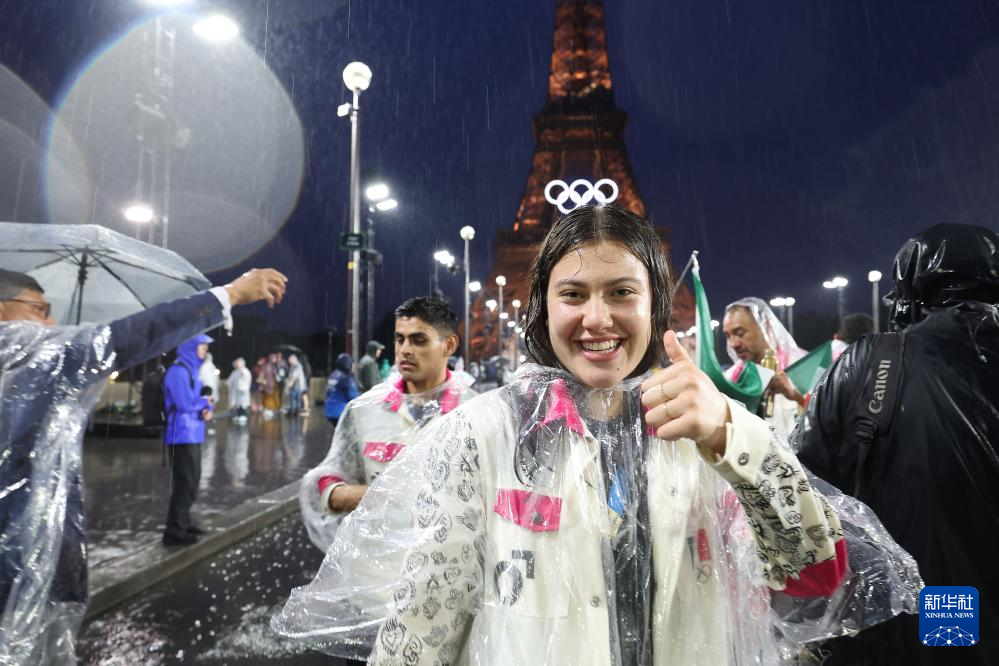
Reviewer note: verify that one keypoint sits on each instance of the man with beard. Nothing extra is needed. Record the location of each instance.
(751, 330)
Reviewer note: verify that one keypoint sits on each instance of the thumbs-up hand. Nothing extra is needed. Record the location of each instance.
(683, 402)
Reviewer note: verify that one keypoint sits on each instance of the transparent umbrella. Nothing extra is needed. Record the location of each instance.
(92, 274)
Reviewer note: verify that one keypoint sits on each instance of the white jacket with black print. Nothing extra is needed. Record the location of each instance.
(489, 543)
(374, 428)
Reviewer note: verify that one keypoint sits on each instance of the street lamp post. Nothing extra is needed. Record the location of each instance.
(447, 260)
(141, 214)
(473, 287)
(491, 304)
(789, 303)
(434, 284)
(467, 233)
(379, 195)
(357, 78)
(786, 303)
(500, 283)
(839, 284)
(874, 277)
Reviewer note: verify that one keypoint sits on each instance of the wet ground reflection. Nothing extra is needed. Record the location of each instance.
(128, 486)
(216, 612)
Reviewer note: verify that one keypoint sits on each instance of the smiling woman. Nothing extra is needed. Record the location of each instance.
(614, 251)
(590, 512)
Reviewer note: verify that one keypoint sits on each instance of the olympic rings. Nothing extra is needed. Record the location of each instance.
(580, 197)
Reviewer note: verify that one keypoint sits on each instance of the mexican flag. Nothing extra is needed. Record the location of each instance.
(749, 387)
(806, 372)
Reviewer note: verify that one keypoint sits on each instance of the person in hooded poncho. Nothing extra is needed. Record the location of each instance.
(239, 384)
(188, 406)
(931, 470)
(341, 388)
(208, 372)
(368, 375)
(594, 512)
(751, 330)
(50, 379)
(377, 425)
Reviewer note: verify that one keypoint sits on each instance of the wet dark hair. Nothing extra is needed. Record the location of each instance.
(855, 326)
(13, 283)
(592, 224)
(437, 312)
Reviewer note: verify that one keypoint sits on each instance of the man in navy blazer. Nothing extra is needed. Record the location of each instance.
(50, 379)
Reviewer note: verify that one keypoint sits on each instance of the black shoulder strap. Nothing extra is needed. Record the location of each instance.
(878, 400)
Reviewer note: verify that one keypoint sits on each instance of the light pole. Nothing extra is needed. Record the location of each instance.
(473, 287)
(789, 302)
(357, 78)
(839, 284)
(447, 260)
(379, 194)
(779, 302)
(786, 303)
(139, 213)
(491, 304)
(467, 233)
(516, 329)
(500, 283)
(874, 277)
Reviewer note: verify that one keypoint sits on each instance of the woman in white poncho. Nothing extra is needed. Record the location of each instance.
(591, 513)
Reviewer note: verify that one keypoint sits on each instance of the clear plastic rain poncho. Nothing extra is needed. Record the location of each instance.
(239, 383)
(50, 379)
(786, 350)
(778, 338)
(542, 523)
(374, 428)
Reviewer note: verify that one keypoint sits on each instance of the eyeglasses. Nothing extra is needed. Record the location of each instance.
(44, 309)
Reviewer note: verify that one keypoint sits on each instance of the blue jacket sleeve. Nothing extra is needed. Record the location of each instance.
(152, 332)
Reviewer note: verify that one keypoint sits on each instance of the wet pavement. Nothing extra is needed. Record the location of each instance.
(215, 612)
(128, 487)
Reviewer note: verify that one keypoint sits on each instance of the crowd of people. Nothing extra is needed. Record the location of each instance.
(609, 503)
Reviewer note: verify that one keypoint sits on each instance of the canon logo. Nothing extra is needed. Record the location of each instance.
(880, 384)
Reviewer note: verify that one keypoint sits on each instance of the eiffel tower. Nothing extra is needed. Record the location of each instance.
(579, 134)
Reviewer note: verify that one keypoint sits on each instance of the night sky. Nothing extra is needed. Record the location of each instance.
(788, 142)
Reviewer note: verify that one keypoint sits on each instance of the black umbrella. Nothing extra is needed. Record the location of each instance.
(287, 349)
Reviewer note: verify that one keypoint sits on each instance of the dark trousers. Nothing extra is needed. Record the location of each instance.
(185, 475)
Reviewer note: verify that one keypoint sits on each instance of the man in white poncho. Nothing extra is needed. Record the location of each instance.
(239, 384)
(592, 514)
(751, 330)
(377, 425)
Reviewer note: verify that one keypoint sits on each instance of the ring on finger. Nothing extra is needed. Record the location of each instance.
(662, 392)
(669, 416)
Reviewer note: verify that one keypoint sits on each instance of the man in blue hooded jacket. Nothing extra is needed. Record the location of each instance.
(50, 379)
(186, 412)
(341, 388)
